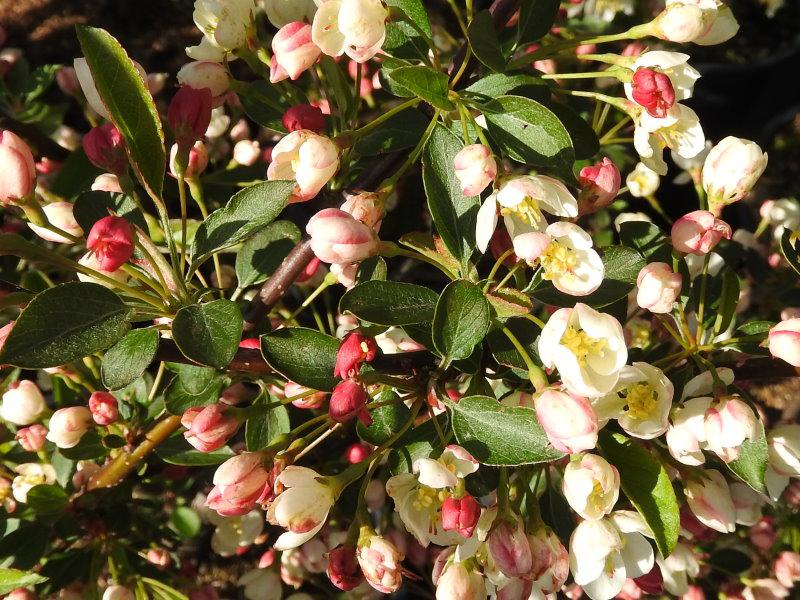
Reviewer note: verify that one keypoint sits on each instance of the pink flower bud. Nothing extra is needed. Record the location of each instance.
(699, 232)
(763, 535)
(205, 74)
(475, 168)
(111, 240)
(293, 49)
(784, 341)
(68, 425)
(357, 452)
(251, 343)
(32, 438)
(276, 72)
(380, 561)
(106, 182)
(304, 116)
(239, 484)
(651, 583)
(189, 114)
(695, 592)
(709, 498)
(208, 428)
(336, 237)
(633, 49)
(460, 514)
(600, 184)
(104, 408)
(309, 271)
(21, 594)
(354, 350)
(349, 400)
(308, 401)
(367, 207)
(568, 420)
(653, 91)
(105, 148)
(67, 81)
(728, 424)
(18, 169)
(23, 403)
(509, 548)
(457, 582)
(343, 569)
(158, 557)
(198, 161)
(659, 287)
(787, 568)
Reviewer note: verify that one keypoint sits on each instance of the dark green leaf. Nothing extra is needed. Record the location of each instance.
(415, 11)
(483, 41)
(584, 139)
(386, 420)
(183, 392)
(339, 83)
(177, 451)
(65, 323)
(11, 579)
(185, 521)
(728, 299)
(47, 499)
(461, 320)
(25, 546)
(751, 465)
(500, 84)
(128, 102)
(500, 435)
(262, 103)
(430, 85)
(209, 333)
(389, 302)
(755, 327)
(648, 239)
(536, 17)
(503, 349)
(89, 448)
(454, 214)
(400, 131)
(371, 269)
(647, 486)
(249, 210)
(302, 355)
(90, 207)
(259, 256)
(418, 442)
(262, 429)
(126, 360)
(405, 42)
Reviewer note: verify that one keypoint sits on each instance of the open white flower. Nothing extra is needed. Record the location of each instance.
(523, 201)
(30, 475)
(224, 22)
(353, 27)
(640, 401)
(587, 347)
(686, 436)
(728, 424)
(302, 507)
(674, 65)
(704, 22)
(602, 557)
(565, 253)
(677, 568)
(642, 181)
(680, 131)
(591, 486)
(307, 158)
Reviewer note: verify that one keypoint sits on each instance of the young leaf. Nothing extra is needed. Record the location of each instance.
(249, 211)
(259, 256)
(454, 214)
(484, 43)
(209, 333)
(461, 320)
(264, 427)
(646, 484)
(389, 303)
(751, 464)
(126, 360)
(530, 133)
(12, 579)
(302, 355)
(65, 323)
(386, 420)
(500, 435)
(430, 85)
(129, 104)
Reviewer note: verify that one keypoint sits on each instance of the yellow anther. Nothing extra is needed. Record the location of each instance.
(581, 344)
(557, 259)
(641, 400)
(527, 211)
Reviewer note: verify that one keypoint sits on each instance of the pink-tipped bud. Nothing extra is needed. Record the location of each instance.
(568, 420)
(189, 114)
(68, 425)
(343, 569)
(206, 74)
(105, 148)
(306, 398)
(358, 452)
(367, 207)
(659, 287)
(17, 167)
(293, 49)
(336, 237)
(380, 561)
(600, 185)
(784, 341)
(653, 91)
(460, 514)
(208, 428)
(508, 546)
(67, 81)
(699, 232)
(239, 484)
(349, 400)
(475, 168)
(304, 116)
(197, 163)
(32, 438)
(250, 343)
(355, 350)
(111, 240)
(787, 568)
(104, 408)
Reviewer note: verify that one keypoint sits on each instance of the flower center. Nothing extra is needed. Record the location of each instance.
(557, 259)
(428, 498)
(33, 479)
(527, 211)
(581, 344)
(641, 400)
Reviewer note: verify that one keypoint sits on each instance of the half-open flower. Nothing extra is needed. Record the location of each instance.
(353, 27)
(302, 507)
(307, 158)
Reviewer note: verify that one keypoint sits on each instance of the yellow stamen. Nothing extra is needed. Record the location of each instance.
(527, 211)
(641, 401)
(581, 344)
(557, 259)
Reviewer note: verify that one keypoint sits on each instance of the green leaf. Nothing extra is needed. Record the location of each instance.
(398, 132)
(461, 320)
(11, 579)
(530, 133)
(188, 390)
(262, 103)
(648, 239)
(500, 435)
(25, 546)
(404, 42)
(209, 333)
(415, 11)
(92, 206)
(755, 327)
(129, 104)
(584, 139)
(185, 521)
(789, 251)
(418, 442)
(454, 214)
(751, 464)
(646, 484)
(90, 447)
(536, 17)
(726, 302)
(484, 43)
(249, 211)
(501, 84)
(302, 355)
(262, 429)
(504, 351)
(509, 302)
(386, 420)
(430, 85)
(177, 451)
(65, 323)
(259, 256)
(128, 359)
(389, 303)
(47, 499)
(371, 269)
